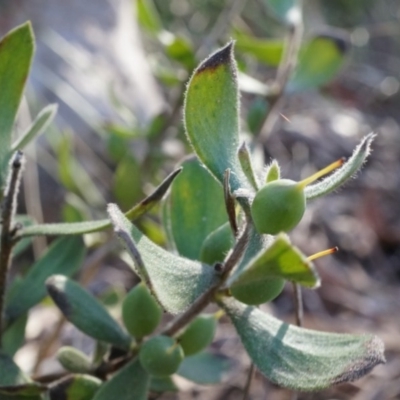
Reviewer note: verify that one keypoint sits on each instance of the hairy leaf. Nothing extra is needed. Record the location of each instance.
(205, 368)
(212, 116)
(176, 281)
(79, 228)
(196, 208)
(298, 358)
(64, 256)
(38, 126)
(16, 52)
(280, 260)
(343, 174)
(85, 312)
(130, 383)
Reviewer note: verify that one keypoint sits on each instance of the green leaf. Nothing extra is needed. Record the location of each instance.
(343, 174)
(267, 51)
(280, 260)
(205, 368)
(73, 360)
(212, 116)
(38, 126)
(64, 256)
(85, 312)
(162, 384)
(127, 183)
(11, 375)
(176, 281)
(79, 228)
(129, 383)
(25, 391)
(319, 62)
(75, 387)
(298, 358)
(284, 10)
(148, 16)
(14, 335)
(179, 49)
(16, 52)
(196, 207)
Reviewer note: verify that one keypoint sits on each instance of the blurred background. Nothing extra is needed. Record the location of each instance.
(118, 70)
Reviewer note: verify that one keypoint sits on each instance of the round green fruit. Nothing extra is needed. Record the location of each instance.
(140, 312)
(258, 292)
(278, 206)
(198, 335)
(161, 356)
(217, 244)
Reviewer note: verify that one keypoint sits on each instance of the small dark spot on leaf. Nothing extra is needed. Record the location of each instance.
(220, 57)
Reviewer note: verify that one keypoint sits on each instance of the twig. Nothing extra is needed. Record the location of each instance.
(298, 303)
(230, 203)
(7, 214)
(207, 297)
(250, 376)
(285, 70)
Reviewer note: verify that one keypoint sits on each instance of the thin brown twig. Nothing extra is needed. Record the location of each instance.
(7, 215)
(230, 203)
(249, 380)
(298, 303)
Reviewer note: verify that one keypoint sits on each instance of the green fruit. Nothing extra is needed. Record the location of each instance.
(258, 292)
(140, 312)
(217, 244)
(198, 335)
(161, 356)
(73, 360)
(75, 387)
(278, 206)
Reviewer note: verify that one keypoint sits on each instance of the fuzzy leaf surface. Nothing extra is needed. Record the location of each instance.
(298, 358)
(85, 311)
(64, 256)
(212, 115)
(280, 260)
(16, 52)
(38, 126)
(205, 368)
(343, 174)
(196, 208)
(176, 281)
(130, 383)
(80, 228)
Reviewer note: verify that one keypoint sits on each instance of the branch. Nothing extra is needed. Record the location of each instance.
(7, 232)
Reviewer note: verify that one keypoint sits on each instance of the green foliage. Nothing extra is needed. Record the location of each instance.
(198, 334)
(302, 359)
(16, 52)
(140, 312)
(85, 312)
(161, 356)
(214, 191)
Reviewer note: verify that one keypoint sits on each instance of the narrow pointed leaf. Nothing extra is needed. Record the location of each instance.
(312, 72)
(38, 126)
(176, 281)
(247, 166)
(205, 368)
(302, 359)
(85, 312)
(130, 383)
(148, 16)
(343, 174)
(196, 206)
(80, 228)
(64, 256)
(212, 116)
(16, 52)
(280, 260)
